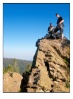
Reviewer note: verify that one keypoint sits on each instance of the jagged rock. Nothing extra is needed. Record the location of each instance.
(60, 87)
(51, 64)
(11, 82)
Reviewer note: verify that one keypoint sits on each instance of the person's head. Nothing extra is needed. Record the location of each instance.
(57, 15)
(50, 24)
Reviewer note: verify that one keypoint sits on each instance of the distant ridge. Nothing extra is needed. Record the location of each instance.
(21, 63)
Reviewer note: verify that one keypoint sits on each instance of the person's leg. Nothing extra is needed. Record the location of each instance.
(53, 33)
(56, 29)
(61, 31)
(50, 34)
(62, 35)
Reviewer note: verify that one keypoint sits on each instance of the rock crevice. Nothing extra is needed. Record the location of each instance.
(49, 71)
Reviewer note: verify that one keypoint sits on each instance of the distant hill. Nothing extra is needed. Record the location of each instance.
(21, 63)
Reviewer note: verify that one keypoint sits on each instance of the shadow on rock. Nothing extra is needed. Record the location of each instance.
(24, 82)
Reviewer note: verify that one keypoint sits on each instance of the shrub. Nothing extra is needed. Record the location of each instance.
(67, 84)
(8, 68)
(28, 68)
(65, 61)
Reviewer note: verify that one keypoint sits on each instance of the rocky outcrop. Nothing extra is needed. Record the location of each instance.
(11, 82)
(50, 70)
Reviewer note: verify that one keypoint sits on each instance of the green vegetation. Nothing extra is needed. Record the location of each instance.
(12, 68)
(8, 68)
(65, 61)
(28, 68)
(67, 84)
(15, 65)
(18, 65)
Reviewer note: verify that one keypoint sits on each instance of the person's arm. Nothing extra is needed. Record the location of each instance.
(61, 21)
(52, 28)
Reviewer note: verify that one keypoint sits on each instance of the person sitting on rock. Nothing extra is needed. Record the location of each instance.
(51, 30)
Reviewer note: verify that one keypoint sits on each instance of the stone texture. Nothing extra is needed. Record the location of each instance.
(51, 66)
(11, 82)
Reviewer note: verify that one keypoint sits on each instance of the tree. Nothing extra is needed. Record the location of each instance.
(12, 68)
(8, 68)
(28, 68)
(16, 67)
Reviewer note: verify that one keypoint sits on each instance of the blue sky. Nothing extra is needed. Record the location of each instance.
(24, 24)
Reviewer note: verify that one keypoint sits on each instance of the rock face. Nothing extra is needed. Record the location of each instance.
(11, 82)
(50, 70)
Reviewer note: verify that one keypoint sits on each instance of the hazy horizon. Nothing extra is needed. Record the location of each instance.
(17, 58)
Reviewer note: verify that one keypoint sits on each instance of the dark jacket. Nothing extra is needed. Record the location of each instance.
(60, 19)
